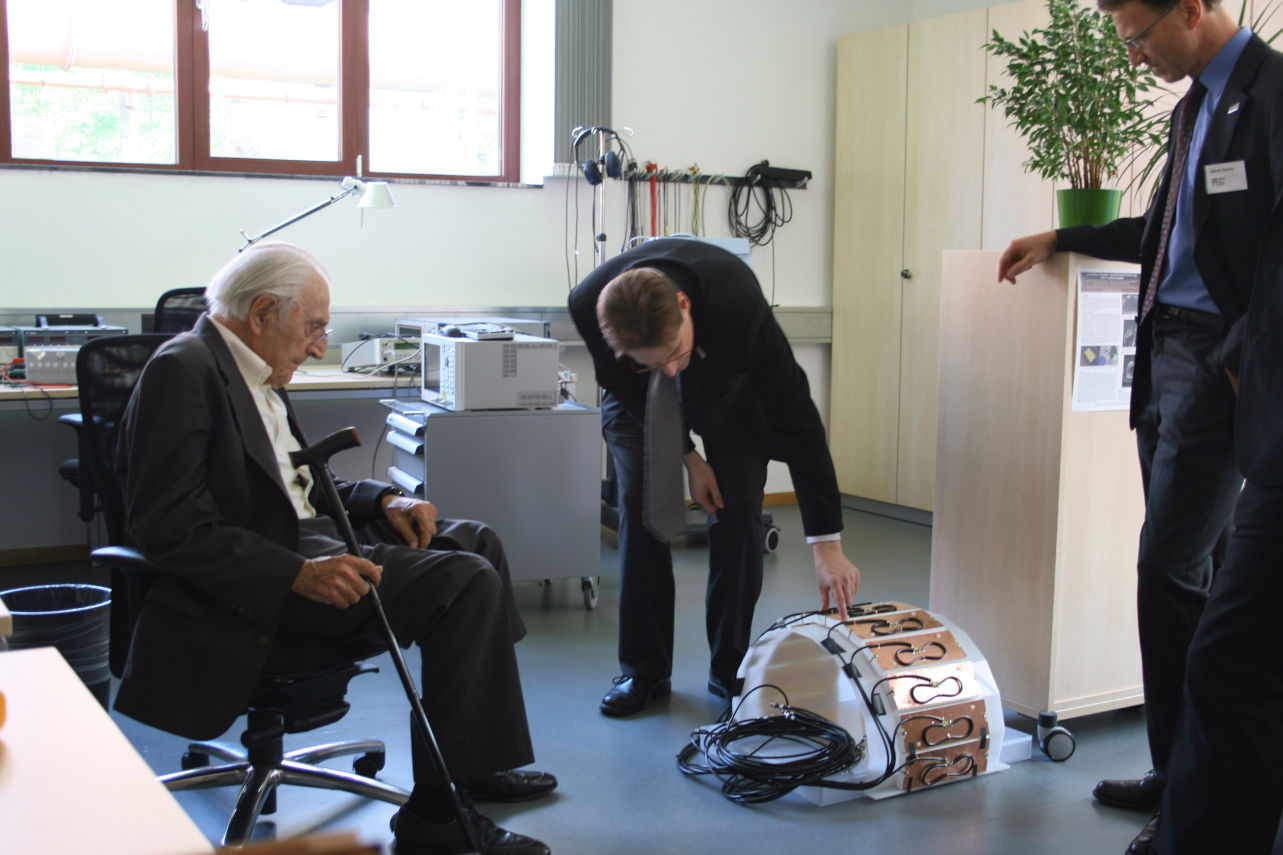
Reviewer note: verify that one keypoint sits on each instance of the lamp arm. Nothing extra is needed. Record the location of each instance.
(350, 186)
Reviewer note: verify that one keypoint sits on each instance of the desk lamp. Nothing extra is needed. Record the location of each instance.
(374, 194)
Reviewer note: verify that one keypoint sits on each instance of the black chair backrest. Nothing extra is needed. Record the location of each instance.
(177, 310)
(106, 371)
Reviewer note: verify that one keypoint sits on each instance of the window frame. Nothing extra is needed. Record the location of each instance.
(192, 105)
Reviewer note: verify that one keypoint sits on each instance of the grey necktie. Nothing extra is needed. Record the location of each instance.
(663, 501)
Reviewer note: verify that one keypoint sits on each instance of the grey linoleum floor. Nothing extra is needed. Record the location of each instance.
(620, 789)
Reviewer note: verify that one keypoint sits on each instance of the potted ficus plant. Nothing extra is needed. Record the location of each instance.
(1080, 105)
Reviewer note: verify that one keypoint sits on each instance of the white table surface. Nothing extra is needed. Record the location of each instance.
(70, 782)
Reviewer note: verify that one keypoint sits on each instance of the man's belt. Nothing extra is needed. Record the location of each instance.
(1192, 317)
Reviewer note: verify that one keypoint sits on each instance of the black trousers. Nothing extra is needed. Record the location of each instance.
(647, 589)
(455, 600)
(1186, 444)
(1224, 793)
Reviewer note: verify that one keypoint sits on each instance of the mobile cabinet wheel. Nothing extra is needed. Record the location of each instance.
(589, 586)
(1059, 744)
(1055, 741)
(772, 541)
(368, 765)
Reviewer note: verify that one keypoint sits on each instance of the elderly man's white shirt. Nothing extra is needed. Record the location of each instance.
(255, 371)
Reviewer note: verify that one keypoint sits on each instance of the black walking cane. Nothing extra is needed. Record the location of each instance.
(318, 457)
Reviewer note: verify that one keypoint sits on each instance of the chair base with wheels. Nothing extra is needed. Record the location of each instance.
(287, 702)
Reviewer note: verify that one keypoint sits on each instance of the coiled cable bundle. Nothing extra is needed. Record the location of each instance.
(761, 759)
(762, 190)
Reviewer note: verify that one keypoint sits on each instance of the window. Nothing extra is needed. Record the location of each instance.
(410, 87)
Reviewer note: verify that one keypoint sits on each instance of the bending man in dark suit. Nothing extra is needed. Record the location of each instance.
(1221, 794)
(255, 571)
(1182, 406)
(694, 311)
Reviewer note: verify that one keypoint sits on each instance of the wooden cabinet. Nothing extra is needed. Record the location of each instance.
(1038, 509)
(909, 181)
(920, 168)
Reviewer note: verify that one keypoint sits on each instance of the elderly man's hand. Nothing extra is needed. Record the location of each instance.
(414, 519)
(339, 580)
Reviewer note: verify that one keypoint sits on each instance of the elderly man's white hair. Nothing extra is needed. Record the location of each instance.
(272, 267)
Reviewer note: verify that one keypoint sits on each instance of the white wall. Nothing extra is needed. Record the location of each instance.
(721, 83)
(727, 83)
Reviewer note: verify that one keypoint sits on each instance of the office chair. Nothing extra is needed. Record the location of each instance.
(70, 471)
(308, 696)
(178, 309)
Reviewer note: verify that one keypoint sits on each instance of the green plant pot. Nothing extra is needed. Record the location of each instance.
(1088, 207)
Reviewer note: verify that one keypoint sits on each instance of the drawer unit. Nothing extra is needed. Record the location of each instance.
(532, 475)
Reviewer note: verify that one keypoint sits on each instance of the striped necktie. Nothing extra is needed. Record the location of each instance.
(1186, 113)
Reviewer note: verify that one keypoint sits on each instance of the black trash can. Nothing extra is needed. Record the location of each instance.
(75, 619)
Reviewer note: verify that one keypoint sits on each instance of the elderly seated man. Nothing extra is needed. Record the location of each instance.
(253, 564)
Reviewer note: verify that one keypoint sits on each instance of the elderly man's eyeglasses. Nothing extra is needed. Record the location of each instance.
(1134, 41)
(317, 333)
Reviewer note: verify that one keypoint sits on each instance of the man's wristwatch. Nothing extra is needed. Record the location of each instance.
(390, 490)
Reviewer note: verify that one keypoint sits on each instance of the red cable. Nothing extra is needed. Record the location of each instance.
(654, 184)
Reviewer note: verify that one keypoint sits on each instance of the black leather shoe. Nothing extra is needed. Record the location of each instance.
(417, 836)
(1132, 794)
(511, 786)
(631, 694)
(1143, 843)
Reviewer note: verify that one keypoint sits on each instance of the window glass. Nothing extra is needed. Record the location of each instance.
(435, 86)
(274, 79)
(91, 80)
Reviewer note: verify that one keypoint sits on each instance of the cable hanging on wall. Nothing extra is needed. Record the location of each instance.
(763, 187)
(674, 201)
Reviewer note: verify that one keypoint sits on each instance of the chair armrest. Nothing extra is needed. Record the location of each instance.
(124, 558)
(72, 471)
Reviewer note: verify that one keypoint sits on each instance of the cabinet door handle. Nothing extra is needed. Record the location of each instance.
(906, 273)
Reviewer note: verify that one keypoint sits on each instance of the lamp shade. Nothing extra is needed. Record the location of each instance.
(376, 194)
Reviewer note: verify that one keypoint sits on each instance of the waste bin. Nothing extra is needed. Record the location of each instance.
(73, 618)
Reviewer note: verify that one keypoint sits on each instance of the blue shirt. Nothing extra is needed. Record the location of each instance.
(1182, 285)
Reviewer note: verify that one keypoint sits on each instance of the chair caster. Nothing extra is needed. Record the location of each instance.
(368, 765)
(772, 541)
(1055, 741)
(589, 586)
(194, 760)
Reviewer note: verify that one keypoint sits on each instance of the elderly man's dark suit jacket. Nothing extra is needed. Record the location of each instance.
(1228, 227)
(204, 500)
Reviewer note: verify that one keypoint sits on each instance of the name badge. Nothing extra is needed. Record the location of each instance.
(1228, 177)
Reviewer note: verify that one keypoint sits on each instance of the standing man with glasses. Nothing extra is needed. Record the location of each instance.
(689, 312)
(1198, 246)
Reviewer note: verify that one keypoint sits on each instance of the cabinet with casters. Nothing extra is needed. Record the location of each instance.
(531, 475)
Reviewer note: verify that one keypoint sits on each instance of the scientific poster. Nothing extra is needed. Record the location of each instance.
(1105, 347)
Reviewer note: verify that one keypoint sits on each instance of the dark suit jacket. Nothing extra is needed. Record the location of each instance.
(743, 388)
(205, 502)
(1228, 227)
(1258, 361)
